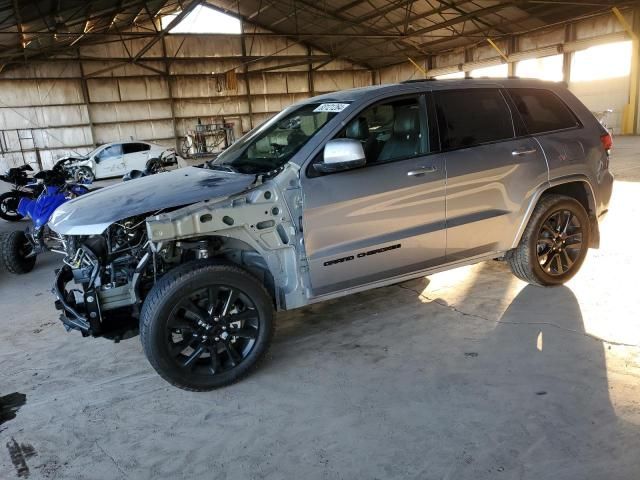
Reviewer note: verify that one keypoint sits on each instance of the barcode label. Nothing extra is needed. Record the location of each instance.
(331, 107)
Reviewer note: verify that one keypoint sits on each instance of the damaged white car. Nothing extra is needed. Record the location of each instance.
(118, 158)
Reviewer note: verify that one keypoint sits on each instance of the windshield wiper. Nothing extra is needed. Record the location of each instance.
(224, 168)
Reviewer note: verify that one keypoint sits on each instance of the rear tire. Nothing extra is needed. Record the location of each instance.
(153, 166)
(15, 249)
(189, 318)
(9, 206)
(554, 244)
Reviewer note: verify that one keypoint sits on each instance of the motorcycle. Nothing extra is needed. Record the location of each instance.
(23, 185)
(19, 249)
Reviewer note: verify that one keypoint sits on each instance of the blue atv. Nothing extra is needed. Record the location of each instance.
(19, 248)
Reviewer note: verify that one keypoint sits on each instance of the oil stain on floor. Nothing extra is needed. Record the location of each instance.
(9, 406)
(19, 453)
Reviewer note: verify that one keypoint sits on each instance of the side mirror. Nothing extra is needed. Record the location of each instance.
(341, 154)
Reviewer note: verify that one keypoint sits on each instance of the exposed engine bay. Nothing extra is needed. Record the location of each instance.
(111, 269)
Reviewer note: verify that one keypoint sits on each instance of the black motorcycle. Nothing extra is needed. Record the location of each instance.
(23, 185)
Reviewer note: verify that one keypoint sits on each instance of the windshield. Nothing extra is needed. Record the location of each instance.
(93, 152)
(278, 140)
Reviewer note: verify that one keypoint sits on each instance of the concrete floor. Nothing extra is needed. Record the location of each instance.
(468, 374)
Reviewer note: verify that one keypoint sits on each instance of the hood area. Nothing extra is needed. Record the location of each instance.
(92, 213)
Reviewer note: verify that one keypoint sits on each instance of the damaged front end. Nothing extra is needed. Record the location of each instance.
(106, 277)
(98, 290)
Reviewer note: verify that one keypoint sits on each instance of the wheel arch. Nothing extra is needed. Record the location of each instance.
(577, 187)
(233, 250)
(244, 255)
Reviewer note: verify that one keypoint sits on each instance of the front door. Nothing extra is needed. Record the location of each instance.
(109, 161)
(385, 219)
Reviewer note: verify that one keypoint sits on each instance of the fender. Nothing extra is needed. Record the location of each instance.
(544, 187)
(261, 219)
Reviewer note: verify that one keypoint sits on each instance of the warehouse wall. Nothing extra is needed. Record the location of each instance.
(64, 105)
(46, 99)
(598, 95)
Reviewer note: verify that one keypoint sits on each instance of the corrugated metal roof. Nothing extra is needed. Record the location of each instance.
(372, 33)
(377, 33)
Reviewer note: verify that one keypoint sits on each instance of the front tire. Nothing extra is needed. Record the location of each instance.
(554, 244)
(84, 175)
(205, 325)
(17, 253)
(9, 206)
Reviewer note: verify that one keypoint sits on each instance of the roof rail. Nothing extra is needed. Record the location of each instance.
(417, 80)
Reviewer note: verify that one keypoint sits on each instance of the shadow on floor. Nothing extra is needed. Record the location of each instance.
(477, 390)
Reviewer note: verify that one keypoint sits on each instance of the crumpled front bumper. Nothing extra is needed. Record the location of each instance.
(69, 316)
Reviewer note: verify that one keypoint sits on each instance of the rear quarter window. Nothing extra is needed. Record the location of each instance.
(542, 110)
(472, 116)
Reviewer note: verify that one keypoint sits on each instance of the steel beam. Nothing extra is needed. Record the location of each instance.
(160, 35)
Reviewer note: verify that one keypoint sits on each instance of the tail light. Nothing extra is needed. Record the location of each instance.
(607, 141)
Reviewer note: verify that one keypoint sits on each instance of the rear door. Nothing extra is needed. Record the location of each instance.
(382, 220)
(557, 129)
(136, 155)
(491, 170)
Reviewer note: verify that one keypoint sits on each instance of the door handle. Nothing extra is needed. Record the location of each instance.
(421, 171)
(518, 153)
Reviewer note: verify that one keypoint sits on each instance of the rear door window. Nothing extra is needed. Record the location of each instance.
(134, 147)
(542, 110)
(472, 116)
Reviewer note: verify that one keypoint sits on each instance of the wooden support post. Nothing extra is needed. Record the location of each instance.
(635, 62)
(468, 58)
(512, 48)
(246, 77)
(630, 113)
(85, 98)
(310, 85)
(569, 36)
(167, 76)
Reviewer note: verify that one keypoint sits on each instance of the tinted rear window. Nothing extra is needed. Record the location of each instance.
(471, 117)
(542, 110)
(135, 147)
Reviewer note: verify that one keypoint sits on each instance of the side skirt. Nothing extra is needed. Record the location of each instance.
(403, 278)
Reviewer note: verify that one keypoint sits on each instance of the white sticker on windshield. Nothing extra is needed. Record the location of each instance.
(331, 107)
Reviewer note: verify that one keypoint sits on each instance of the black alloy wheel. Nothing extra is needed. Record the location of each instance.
(559, 242)
(554, 243)
(213, 330)
(205, 325)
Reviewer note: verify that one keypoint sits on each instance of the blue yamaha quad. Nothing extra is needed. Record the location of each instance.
(19, 248)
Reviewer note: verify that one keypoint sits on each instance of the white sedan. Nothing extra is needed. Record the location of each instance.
(116, 159)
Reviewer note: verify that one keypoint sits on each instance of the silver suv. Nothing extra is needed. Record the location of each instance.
(340, 193)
